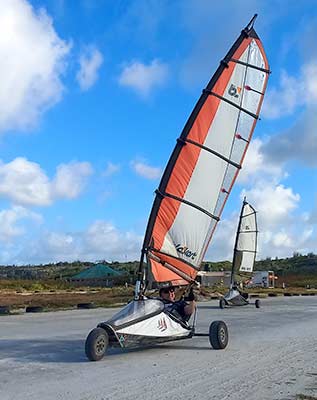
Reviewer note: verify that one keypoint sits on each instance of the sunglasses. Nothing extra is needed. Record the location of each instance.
(166, 291)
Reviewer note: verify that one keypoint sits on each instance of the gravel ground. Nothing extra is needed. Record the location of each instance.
(272, 354)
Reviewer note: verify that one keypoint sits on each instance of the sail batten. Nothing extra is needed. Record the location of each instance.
(213, 152)
(205, 162)
(251, 65)
(233, 104)
(187, 203)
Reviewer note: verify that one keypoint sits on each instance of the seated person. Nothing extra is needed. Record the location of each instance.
(182, 309)
(243, 294)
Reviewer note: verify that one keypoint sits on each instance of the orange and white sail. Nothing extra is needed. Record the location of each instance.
(205, 163)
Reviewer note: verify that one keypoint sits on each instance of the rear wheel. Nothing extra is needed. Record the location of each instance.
(257, 303)
(96, 344)
(218, 335)
(222, 303)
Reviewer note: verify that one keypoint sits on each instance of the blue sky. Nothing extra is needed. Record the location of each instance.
(94, 94)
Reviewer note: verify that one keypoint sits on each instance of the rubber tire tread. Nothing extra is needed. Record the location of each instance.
(214, 335)
(90, 344)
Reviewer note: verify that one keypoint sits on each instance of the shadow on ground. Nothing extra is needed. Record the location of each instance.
(44, 351)
(72, 351)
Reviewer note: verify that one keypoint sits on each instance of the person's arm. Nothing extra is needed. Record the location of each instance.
(190, 299)
(190, 307)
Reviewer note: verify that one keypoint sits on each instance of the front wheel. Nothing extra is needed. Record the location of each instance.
(96, 344)
(222, 303)
(257, 303)
(218, 335)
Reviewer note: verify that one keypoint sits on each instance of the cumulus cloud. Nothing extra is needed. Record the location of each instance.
(111, 169)
(282, 229)
(146, 171)
(274, 202)
(33, 59)
(90, 62)
(144, 78)
(9, 220)
(293, 91)
(258, 166)
(25, 183)
(70, 179)
(101, 240)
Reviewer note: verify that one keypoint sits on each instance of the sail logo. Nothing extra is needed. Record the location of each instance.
(162, 325)
(234, 90)
(185, 251)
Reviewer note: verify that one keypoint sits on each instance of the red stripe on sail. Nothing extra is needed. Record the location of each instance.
(162, 274)
(189, 155)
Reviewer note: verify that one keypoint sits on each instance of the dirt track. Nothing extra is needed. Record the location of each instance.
(271, 355)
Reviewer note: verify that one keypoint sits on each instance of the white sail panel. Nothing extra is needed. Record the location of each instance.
(220, 138)
(246, 241)
(206, 161)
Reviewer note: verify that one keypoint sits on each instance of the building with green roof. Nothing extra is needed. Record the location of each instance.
(98, 275)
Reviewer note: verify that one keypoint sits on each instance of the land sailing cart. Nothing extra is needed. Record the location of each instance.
(244, 254)
(189, 201)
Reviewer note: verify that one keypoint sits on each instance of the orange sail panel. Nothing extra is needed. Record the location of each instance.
(205, 163)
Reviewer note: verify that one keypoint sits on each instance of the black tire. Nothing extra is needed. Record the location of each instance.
(86, 306)
(34, 309)
(4, 310)
(257, 303)
(222, 303)
(218, 335)
(96, 344)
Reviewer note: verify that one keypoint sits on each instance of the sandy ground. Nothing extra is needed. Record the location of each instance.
(272, 354)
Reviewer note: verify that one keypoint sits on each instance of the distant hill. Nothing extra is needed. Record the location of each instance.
(298, 264)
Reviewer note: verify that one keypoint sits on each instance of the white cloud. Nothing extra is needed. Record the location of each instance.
(292, 92)
(70, 179)
(9, 219)
(105, 239)
(257, 166)
(90, 62)
(32, 62)
(146, 171)
(111, 169)
(281, 229)
(101, 240)
(273, 202)
(25, 183)
(144, 78)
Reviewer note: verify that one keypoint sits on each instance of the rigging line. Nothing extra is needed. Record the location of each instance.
(231, 103)
(174, 257)
(171, 268)
(210, 151)
(267, 71)
(165, 194)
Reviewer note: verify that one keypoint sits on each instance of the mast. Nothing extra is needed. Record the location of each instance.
(236, 243)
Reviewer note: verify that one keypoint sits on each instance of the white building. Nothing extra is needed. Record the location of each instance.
(265, 279)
